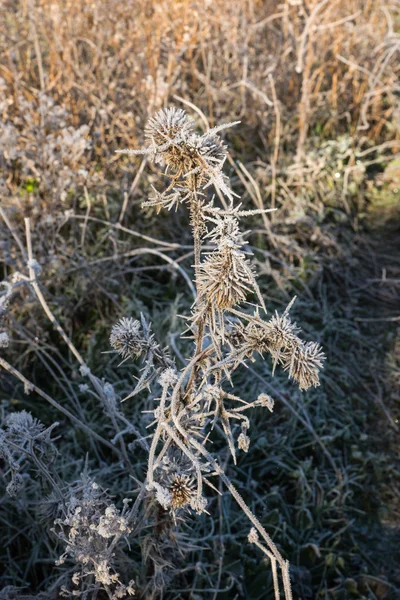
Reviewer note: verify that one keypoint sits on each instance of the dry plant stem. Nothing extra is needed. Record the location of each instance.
(118, 226)
(201, 324)
(13, 233)
(156, 437)
(196, 238)
(252, 518)
(273, 566)
(198, 349)
(276, 554)
(57, 326)
(65, 411)
(40, 297)
(274, 158)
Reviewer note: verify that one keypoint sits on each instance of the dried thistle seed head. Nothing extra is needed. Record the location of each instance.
(277, 336)
(281, 333)
(193, 161)
(267, 401)
(223, 279)
(243, 442)
(169, 125)
(127, 338)
(226, 276)
(182, 490)
(304, 364)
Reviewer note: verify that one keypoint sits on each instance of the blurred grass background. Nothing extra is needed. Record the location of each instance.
(316, 87)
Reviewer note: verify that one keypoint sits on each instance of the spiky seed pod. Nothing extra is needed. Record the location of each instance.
(168, 125)
(224, 280)
(281, 333)
(127, 338)
(181, 490)
(304, 364)
(226, 276)
(277, 336)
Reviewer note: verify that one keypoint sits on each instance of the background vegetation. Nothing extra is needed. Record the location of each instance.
(316, 87)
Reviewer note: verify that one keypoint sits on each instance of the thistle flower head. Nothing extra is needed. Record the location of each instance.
(127, 338)
(279, 337)
(226, 276)
(168, 126)
(182, 491)
(281, 332)
(304, 364)
(22, 423)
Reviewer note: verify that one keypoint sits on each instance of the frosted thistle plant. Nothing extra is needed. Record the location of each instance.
(227, 332)
(131, 338)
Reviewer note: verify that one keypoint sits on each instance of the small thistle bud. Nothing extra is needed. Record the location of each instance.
(253, 536)
(127, 338)
(4, 339)
(304, 364)
(168, 378)
(198, 504)
(267, 401)
(243, 442)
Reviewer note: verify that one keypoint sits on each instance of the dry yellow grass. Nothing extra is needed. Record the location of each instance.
(112, 64)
